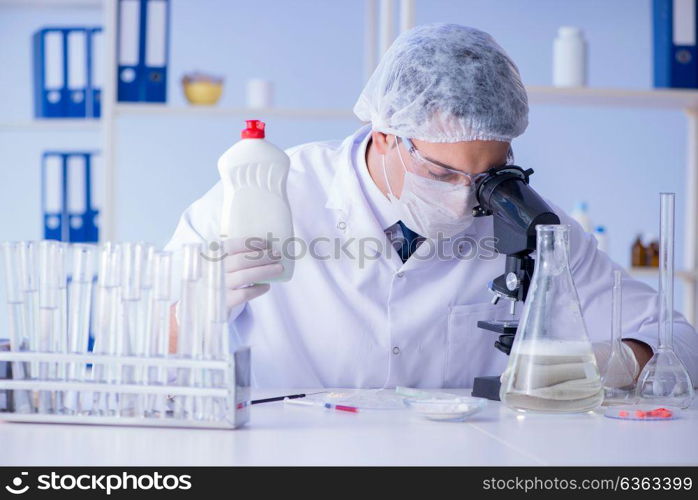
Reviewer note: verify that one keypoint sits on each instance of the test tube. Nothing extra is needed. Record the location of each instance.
(17, 326)
(60, 339)
(128, 337)
(145, 312)
(159, 331)
(49, 269)
(79, 301)
(215, 328)
(107, 320)
(189, 334)
(28, 271)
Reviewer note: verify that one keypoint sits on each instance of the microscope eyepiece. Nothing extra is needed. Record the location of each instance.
(517, 209)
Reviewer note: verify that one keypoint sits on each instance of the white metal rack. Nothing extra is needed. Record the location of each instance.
(671, 99)
(232, 396)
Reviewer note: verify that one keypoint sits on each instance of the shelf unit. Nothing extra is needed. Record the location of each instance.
(677, 99)
(93, 4)
(669, 99)
(208, 111)
(52, 125)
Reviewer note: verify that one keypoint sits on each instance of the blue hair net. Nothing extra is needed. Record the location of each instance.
(445, 83)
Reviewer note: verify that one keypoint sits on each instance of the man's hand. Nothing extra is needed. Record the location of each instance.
(643, 353)
(246, 262)
(638, 352)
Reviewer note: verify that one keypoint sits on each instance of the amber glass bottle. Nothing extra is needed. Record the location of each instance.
(639, 253)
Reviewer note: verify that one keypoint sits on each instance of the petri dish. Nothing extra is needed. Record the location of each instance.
(643, 412)
(446, 410)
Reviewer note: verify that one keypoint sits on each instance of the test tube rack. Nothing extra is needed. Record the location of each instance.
(230, 400)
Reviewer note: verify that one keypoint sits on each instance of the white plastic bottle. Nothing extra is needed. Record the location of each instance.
(601, 236)
(581, 215)
(255, 205)
(569, 58)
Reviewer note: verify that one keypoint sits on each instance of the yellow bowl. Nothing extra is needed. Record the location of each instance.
(203, 93)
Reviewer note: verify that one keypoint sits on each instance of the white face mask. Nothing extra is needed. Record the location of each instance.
(431, 208)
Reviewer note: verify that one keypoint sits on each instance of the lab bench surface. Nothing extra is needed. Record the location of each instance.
(281, 434)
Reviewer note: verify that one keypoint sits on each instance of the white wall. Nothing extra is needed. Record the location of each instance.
(617, 160)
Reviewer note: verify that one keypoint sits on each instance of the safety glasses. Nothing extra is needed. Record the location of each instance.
(432, 169)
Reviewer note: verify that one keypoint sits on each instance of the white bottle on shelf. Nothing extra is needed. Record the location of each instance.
(255, 205)
(260, 93)
(569, 58)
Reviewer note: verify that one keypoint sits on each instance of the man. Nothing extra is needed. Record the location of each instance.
(397, 306)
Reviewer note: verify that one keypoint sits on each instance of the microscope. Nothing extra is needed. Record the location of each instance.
(517, 209)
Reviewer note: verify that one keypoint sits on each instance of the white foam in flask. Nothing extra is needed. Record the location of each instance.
(255, 205)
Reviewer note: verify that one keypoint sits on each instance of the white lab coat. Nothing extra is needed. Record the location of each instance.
(343, 322)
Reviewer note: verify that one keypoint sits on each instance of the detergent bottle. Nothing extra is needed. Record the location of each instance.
(255, 205)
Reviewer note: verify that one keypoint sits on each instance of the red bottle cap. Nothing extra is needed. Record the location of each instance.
(254, 130)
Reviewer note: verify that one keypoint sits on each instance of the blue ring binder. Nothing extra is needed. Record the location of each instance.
(60, 220)
(56, 95)
(143, 41)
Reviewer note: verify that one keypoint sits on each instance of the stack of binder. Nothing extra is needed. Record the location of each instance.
(67, 72)
(675, 50)
(67, 196)
(143, 38)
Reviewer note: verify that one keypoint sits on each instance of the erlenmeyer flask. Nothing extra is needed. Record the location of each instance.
(664, 380)
(552, 367)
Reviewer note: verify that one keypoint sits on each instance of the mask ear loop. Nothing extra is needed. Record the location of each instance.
(397, 146)
(385, 175)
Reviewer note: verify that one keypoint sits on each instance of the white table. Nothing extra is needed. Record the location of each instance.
(280, 434)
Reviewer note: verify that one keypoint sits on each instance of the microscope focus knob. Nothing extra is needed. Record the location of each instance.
(512, 282)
